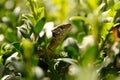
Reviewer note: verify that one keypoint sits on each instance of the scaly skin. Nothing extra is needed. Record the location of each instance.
(59, 34)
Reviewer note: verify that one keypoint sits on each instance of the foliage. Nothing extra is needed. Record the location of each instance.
(83, 46)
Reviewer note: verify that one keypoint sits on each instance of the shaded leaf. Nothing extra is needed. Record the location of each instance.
(79, 18)
(39, 25)
(16, 45)
(24, 32)
(11, 36)
(90, 55)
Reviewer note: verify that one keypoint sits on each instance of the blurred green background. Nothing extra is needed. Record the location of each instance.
(89, 51)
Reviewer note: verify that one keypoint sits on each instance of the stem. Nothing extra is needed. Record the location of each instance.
(103, 44)
(32, 8)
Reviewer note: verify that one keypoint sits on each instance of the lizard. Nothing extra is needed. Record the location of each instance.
(59, 33)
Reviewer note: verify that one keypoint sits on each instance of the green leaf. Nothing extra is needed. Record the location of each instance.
(117, 6)
(79, 18)
(11, 36)
(110, 3)
(111, 13)
(79, 25)
(106, 29)
(72, 52)
(24, 32)
(16, 45)
(90, 55)
(80, 36)
(40, 13)
(28, 49)
(93, 3)
(39, 26)
(1, 63)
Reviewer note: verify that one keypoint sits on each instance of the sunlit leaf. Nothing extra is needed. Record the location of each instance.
(41, 12)
(106, 29)
(93, 3)
(117, 6)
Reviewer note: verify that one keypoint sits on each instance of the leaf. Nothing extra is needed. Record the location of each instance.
(90, 55)
(72, 52)
(39, 25)
(28, 49)
(79, 18)
(110, 3)
(111, 13)
(11, 36)
(117, 6)
(40, 12)
(28, 17)
(105, 29)
(16, 45)
(68, 60)
(24, 32)
(80, 36)
(93, 3)
(71, 47)
(80, 23)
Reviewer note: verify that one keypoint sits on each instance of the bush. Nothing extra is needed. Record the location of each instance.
(84, 45)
